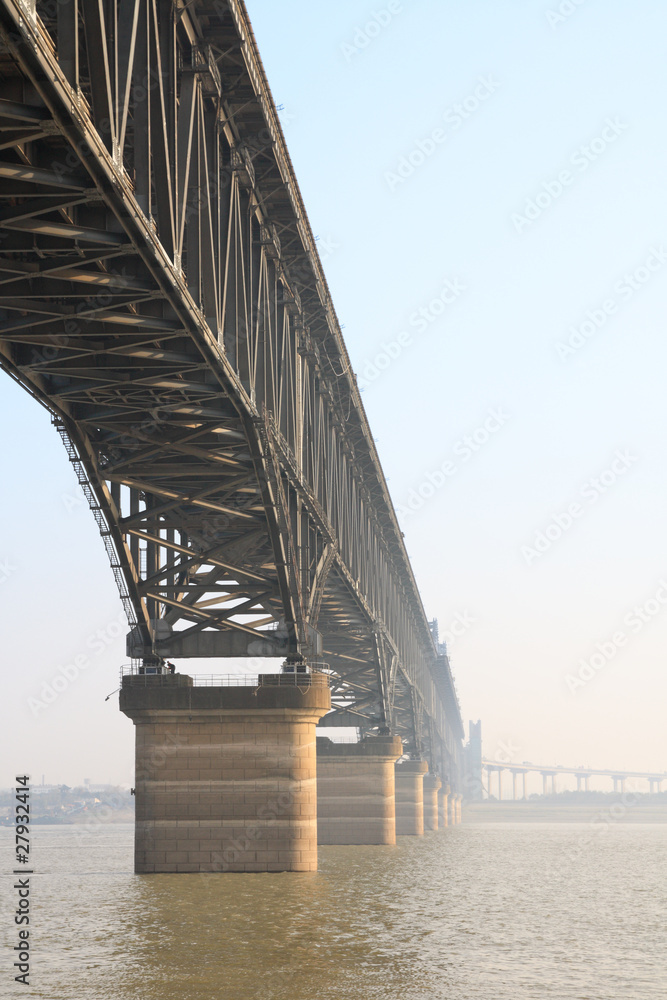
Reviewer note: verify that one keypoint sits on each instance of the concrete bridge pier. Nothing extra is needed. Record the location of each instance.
(454, 802)
(432, 784)
(443, 809)
(409, 778)
(516, 774)
(225, 776)
(356, 790)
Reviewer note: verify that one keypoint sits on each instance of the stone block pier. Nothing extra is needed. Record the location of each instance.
(409, 776)
(225, 775)
(355, 790)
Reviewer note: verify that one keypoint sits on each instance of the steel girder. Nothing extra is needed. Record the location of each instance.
(161, 293)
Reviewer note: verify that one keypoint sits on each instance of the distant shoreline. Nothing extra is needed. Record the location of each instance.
(525, 812)
(474, 813)
(81, 819)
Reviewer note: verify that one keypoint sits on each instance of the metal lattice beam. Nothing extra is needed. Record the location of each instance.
(161, 294)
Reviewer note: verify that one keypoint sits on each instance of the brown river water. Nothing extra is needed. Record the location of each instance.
(495, 912)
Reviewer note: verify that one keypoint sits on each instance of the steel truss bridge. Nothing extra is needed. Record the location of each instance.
(162, 295)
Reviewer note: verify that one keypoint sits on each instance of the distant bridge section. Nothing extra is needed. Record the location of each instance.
(550, 773)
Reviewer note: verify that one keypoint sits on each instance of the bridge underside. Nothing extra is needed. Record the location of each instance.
(161, 295)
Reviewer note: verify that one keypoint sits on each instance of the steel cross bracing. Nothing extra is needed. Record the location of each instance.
(161, 293)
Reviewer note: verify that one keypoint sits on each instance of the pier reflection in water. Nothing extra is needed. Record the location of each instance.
(498, 912)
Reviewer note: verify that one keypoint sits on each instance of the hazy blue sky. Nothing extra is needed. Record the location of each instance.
(500, 167)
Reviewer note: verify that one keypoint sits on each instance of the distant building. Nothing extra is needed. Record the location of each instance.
(473, 762)
(44, 789)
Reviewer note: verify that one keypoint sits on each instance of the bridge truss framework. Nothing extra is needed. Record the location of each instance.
(161, 294)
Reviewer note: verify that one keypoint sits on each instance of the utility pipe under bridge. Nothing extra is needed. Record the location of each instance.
(163, 297)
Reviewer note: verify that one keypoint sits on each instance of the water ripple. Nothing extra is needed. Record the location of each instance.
(493, 912)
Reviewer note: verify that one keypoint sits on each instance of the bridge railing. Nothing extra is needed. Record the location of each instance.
(156, 677)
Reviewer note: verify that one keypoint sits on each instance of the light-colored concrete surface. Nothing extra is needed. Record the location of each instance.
(226, 777)
(443, 806)
(355, 790)
(432, 785)
(409, 778)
